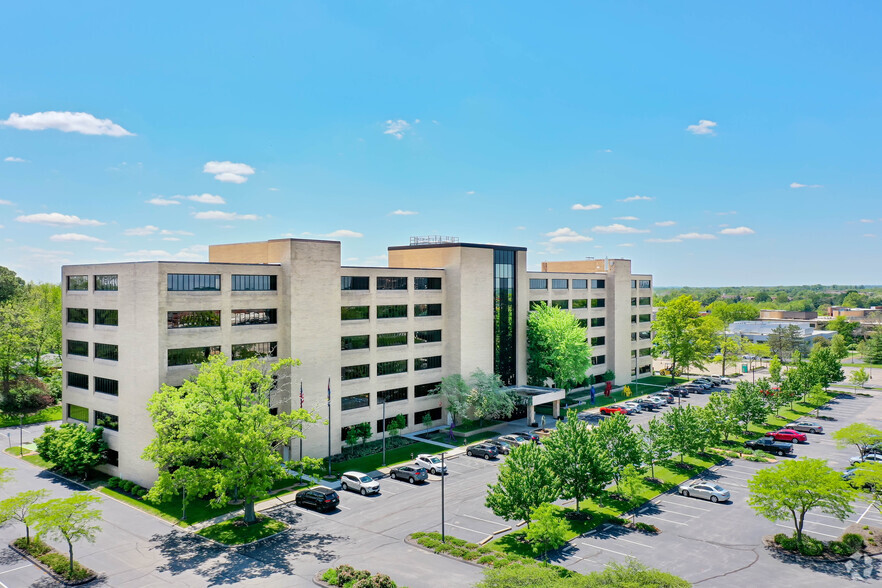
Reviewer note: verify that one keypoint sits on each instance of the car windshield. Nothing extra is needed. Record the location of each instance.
(434, 460)
(718, 488)
(366, 479)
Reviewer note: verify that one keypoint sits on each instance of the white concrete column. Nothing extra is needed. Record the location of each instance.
(555, 409)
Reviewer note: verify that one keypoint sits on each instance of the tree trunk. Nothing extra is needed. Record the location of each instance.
(799, 525)
(70, 550)
(250, 516)
(27, 535)
(724, 353)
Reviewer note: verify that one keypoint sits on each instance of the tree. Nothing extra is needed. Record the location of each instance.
(859, 377)
(720, 415)
(556, 348)
(861, 435)
(71, 519)
(869, 477)
(10, 284)
(655, 443)
(727, 313)
(219, 425)
(682, 335)
(854, 300)
(862, 350)
(396, 424)
(427, 420)
(43, 304)
(487, 399)
(15, 331)
(747, 404)
(775, 369)
(843, 327)
(684, 430)
(548, 530)
(24, 400)
(455, 392)
(784, 340)
(630, 487)
(817, 397)
(580, 464)
(793, 488)
(360, 432)
(526, 479)
(617, 438)
(73, 448)
(20, 508)
(839, 347)
(874, 347)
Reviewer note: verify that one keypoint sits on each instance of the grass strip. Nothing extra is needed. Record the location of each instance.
(236, 532)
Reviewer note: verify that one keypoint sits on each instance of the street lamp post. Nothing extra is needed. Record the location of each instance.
(442, 498)
(384, 431)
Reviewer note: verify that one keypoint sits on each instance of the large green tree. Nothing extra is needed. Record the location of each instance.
(861, 435)
(682, 335)
(15, 333)
(844, 327)
(487, 399)
(70, 519)
(727, 313)
(556, 348)
(73, 448)
(526, 479)
(792, 488)
(43, 304)
(454, 390)
(874, 347)
(825, 367)
(580, 463)
(784, 340)
(655, 443)
(621, 443)
(747, 404)
(10, 284)
(217, 430)
(28, 397)
(684, 435)
(839, 347)
(720, 415)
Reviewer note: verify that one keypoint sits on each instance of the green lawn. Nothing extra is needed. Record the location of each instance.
(657, 381)
(53, 413)
(15, 450)
(370, 463)
(38, 461)
(469, 426)
(866, 365)
(235, 532)
(197, 510)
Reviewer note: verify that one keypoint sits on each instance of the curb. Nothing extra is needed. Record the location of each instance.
(49, 571)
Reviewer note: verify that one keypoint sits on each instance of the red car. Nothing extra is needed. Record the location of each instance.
(788, 435)
(617, 410)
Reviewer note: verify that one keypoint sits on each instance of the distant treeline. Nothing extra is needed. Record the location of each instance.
(816, 297)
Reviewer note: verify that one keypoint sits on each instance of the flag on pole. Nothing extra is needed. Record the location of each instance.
(301, 393)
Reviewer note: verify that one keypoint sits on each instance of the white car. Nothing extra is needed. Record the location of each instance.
(432, 463)
(868, 458)
(706, 490)
(632, 404)
(359, 482)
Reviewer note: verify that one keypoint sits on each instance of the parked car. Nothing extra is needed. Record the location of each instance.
(705, 490)
(529, 435)
(318, 498)
(613, 409)
(592, 418)
(359, 482)
(678, 392)
(806, 427)
(719, 380)
(867, 458)
(695, 389)
(482, 450)
(704, 383)
(634, 405)
(513, 440)
(647, 404)
(627, 408)
(431, 463)
(503, 447)
(787, 435)
(849, 474)
(409, 472)
(769, 445)
(658, 401)
(669, 398)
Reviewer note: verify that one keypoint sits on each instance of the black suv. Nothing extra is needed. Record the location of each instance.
(770, 445)
(482, 450)
(318, 498)
(681, 392)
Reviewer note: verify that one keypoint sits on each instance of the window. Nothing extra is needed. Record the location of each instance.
(598, 360)
(426, 310)
(193, 282)
(248, 283)
(580, 303)
(263, 316)
(106, 316)
(354, 372)
(645, 318)
(582, 323)
(537, 304)
(557, 284)
(355, 283)
(191, 355)
(598, 322)
(355, 401)
(646, 352)
(77, 348)
(393, 395)
(263, 349)
(427, 336)
(646, 334)
(538, 284)
(106, 386)
(355, 313)
(633, 336)
(78, 315)
(645, 301)
(427, 363)
(106, 283)
(355, 342)
(595, 341)
(76, 380)
(391, 339)
(421, 390)
(560, 304)
(392, 311)
(106, 420)
(395, 283)
(598, 302)
(633, 283)
(77, 283)
(427, 283)
(598, 284)
(387, 368)
(389, 422)
(634, 318)
(344, 431)
(633, 301)
(434, 414)
(78, 413)
(645, 283)
(191, 319)
(580, 284)
(106, 351)
(111, 456)
(645, 369)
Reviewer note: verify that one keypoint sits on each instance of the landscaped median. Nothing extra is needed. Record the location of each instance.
(237, 532)
(56, 564)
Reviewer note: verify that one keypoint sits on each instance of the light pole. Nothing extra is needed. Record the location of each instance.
(384, 431)
(442, 497)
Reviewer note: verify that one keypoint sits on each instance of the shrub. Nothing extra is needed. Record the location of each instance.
(470, 546)
(330, 577)
(457, 552)
(811, 546)
(417, 535)
(788, 543)
(646, 528)
(36, 547)
(60, 564)
(854, 541)
(429, 543)
(484, 549)
(780, 538)
(375, 581)
(839, 548)
(486, 559)
(501, 563)
(471, 555)
(113, 482)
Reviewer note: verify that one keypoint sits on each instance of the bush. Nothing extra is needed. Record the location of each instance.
(429, 543)
(839, 548)
(811, 546)
(471, 555)
(330, 577)
(60, 564)
(113, 482)
(375, 581)
(486, 559)
(854, 541)
(457, 552)
(646, 528)
(36, 547)
(788, 543)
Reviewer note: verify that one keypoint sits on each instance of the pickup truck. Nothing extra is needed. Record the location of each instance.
(769, 445)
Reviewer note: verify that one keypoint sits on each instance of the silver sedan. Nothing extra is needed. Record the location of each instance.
(705, 490)
(806, 427)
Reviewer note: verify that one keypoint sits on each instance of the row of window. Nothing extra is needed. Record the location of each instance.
(576, 303)
(100, 350)
(103, 385)
(645, 352)
(193, 355)
(212, 283)
(387, 396)
(387, 368)
(562, 284)
(100, 316)
(643, 318)
(102, 419)
(595, 322)
(353, 313)
(388, 283)
(642, 301)
(643, 335)
(641, 283)
(109, 282)
(388, 339)
(419, 418)
(598, 360)
(188, 319)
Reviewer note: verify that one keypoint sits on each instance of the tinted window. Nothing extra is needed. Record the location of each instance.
(106, 386)
(263, 316)
(353, 313)
(77, 282)
(560, 303)
(434, 414)
(78, 348)
(645, 301)
(595, 341)
(356, 401)
(106, 316)
(106, 282)
(598, 302)
(390, 339)
(580, 284)
(385, 368)
(557, 284)
(355, 342)
(106, 351)
(427, 336)
(391, 283)
(78, 315)
(79, 413)
(253, 283)
(427, 363)
(598, 283)
(598, 322)
(262, 349)
(193, 282)
(106, 420)
(598, 359)
(421, 390)
(426, 310)
(388, 426)
(393, 395)
(190, 319)
(76, 380)
(536, 304)
(427, 283)
(353, 372)
(645, 283)
(355, 283)
(392, 311)
(580, 303)
(538, 284)
(191, 355)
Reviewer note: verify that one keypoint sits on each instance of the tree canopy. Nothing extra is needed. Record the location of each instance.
(526, 479)
(70, 519)
(580, 463)
(556, 348)
(73, 448)
(682, 335)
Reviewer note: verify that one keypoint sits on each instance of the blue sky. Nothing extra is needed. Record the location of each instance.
(224, 122)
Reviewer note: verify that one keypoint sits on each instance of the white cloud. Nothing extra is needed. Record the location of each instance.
(56, 218)
(168, 232)
(400, 212)
(44, 256)
(396, 128)
(225, 216)
(738, 231)
(869, 235)
(672, 240)
(635, 198)
(194, 253)
(11, 159)
(567, 235)
(68, 122)
(704, 127)
(521, 228)
(171, 238)
(629, 218)
(700, 236)
(205, 198)
(141, 231)
(227, 171)
(75, 237)
(665, 223)
(798, 185)
(470, 192)
(273, 189)
(160, 201)
(626, 244)
(866, 220)
(343, 233)
(606, 150)
(6, 203)
(586, 206)
(617, 228)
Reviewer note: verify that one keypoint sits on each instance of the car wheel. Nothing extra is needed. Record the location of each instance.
(469, 453)
(344, 486)
(410, 480)
(813, 431)
(434, 472)
(486, 456)
(781, 452)
(685, 493)
(363, 492)
(794, 440)
(393, 476)
(714, 499)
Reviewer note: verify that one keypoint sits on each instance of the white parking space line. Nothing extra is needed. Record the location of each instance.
(484, 520)
(661, 519)
(682, 514)
(306, 511)
(468, 529)
(808, 522)
(680, 504)
(605, 549)
(804, 531)
(343, 507)
(634, 542)
(14, 569)
(869, 506)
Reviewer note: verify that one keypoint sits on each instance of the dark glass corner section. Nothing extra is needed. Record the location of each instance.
(504, 315)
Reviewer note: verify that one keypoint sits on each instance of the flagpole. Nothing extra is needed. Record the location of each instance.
(329, 426)
(301, 423)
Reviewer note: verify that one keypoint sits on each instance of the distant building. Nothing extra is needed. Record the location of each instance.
(858, 313)
(759, 331)
(772, 314)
